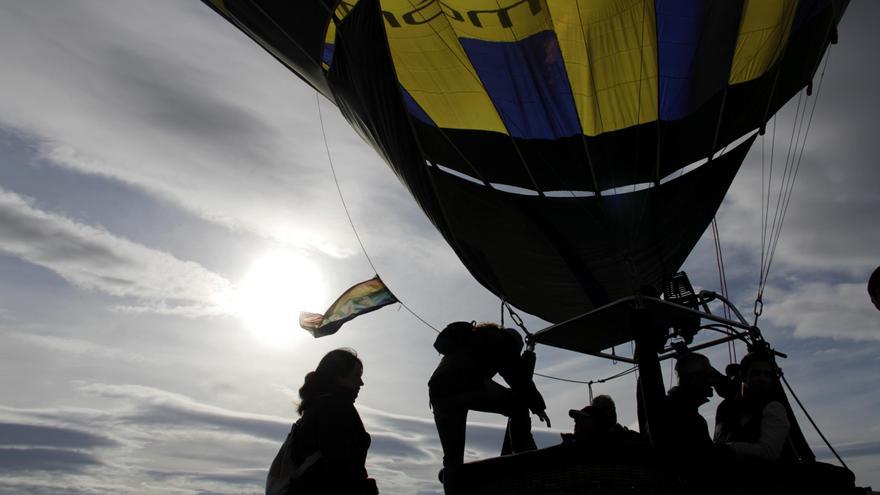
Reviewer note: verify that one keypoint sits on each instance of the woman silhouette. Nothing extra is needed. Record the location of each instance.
(329, 442)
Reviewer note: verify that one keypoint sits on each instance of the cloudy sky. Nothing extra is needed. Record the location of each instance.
(166, 207)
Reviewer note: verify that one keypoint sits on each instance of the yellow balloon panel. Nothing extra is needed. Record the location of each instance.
(608, 47)
(610, 53)
(433, 67)
(764, 30)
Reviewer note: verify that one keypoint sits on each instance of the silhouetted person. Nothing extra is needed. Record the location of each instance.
(598, 422)
(329, 437)
(874, 287)
(685, 432)
(604, 404)
(587, 427)
(727, 385)
(472, 355)
(754, 425)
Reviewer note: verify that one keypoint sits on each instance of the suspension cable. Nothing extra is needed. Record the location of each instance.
(810, 418)
(348, 214)
(590, 383)
(800, 155)
(338, 188)
(770, 240)
(722, 279)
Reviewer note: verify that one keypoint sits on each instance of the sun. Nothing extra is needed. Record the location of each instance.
(275, 289)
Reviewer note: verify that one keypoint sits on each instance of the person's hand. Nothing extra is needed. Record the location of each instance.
(542, 415)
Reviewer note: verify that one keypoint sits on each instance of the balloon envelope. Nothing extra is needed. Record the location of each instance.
(571, 152)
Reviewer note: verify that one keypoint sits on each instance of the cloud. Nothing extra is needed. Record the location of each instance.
(199, 116)
(29, 435)
(42, 459)
(153, 406)
(403, 448)
(34, 447)
(850, 450)
(821, 309)
(157, 436)
(94, 259)
(80, 347)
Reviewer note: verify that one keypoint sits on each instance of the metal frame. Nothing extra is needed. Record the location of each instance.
(739, 329)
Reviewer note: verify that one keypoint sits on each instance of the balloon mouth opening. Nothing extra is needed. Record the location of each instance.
(613, 191)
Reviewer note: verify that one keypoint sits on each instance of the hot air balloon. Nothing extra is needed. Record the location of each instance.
(547, 139)
(571, 152)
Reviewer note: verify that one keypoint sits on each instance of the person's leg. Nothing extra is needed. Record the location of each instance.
(496, 398)
(519, 429)
(451, 424)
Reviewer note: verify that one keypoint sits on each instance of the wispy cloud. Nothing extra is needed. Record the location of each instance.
(158, 436)
(171, 115)
(94, 259)
(26, 435)
(837, 311)
(57, 344)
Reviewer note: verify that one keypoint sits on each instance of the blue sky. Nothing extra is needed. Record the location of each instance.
(152, 159)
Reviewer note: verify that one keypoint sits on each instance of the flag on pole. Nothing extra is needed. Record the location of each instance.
(359, 299)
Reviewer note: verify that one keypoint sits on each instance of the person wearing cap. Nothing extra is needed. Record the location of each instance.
(462, 382)
(587, 426)
(598, 422)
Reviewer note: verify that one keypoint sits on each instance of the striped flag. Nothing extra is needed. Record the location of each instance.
(359, 299)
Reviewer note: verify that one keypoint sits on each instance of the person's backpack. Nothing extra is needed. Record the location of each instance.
(454, 336)
(284, 472)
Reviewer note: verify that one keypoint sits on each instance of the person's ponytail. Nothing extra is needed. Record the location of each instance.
(314, 386)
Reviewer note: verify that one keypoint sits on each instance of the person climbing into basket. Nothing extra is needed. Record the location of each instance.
(462, 382)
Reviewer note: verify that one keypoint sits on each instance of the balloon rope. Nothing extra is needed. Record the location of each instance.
(591, 382)
(348, 215)
(800, 155)
(786, 177)
(722, 280)
(781, 49)
(810, 418)
(763, 212)
(768, 250)
(338, 188)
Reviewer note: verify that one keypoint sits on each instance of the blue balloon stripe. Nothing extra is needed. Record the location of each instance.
(679, 25)
(327, 57)
(527, 82)
(695, 43)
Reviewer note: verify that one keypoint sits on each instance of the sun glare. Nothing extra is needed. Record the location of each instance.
(276, 288)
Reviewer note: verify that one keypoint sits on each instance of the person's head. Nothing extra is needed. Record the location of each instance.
(757, 373)
(512, 338)
(587, 422)
(874, 287)
(604, 405)
(339, 368)
(695, 374)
